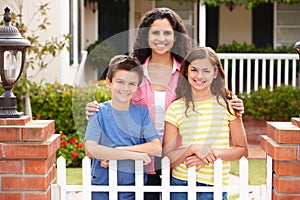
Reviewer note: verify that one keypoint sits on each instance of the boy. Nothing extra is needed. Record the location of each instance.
(121, 130)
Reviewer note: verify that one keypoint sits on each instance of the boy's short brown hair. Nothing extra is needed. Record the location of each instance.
(125, 62)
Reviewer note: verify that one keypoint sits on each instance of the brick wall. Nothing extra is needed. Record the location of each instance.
(254, 129)
(282, 143)
(27, 157)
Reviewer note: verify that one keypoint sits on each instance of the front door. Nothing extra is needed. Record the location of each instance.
(113, 19)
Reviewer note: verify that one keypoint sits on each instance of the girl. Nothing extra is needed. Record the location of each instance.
(204, 120)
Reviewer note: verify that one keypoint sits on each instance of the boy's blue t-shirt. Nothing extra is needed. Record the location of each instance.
(113, 128)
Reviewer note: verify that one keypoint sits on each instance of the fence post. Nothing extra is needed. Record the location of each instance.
(113, 180)
(86, 178)
(244, 178)
(218, 179)
(192, 183)
(139, 179)
(282, 143)
(61, 177)
(165, 172)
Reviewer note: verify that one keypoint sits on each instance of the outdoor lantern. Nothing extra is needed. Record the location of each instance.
(12, 58)
(297, 47)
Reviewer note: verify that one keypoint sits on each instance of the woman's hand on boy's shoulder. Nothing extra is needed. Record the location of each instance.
(90, 108)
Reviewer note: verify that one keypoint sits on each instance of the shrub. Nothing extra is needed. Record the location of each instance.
(236, 47)
(71, 149)
(281, 104)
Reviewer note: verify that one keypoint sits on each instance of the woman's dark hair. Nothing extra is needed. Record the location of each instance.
(217, 88)
(182, 42)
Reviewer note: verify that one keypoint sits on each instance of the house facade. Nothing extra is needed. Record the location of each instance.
(90, 20)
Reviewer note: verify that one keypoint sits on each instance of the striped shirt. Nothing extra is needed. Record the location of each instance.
(209, 125)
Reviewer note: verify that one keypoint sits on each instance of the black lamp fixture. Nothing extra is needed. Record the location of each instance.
(297, 47)
(12, 58)
(92, 4)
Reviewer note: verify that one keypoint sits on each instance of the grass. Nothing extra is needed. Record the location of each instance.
(257, 173)
(74, 176)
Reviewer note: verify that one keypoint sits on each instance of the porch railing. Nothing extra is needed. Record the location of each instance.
(245, 72)
(62, 191)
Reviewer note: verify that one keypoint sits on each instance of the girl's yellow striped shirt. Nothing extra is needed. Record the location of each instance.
(209, 125)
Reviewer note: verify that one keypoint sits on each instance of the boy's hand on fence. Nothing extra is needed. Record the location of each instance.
(145, 158)
(104, 163)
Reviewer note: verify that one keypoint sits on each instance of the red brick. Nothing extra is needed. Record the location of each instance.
(277, 151)
(254, 129)
(35, 134)
(32, 149)
(38, 166)
(10, 133)
(283, 132)
(11, 196)
(38, 130)
(284, 196)
(1, 152)
(286, 185)
(32, 183)
(287, 168)
(15, 121)
(296, 121)
(11, 167)
(38, 195)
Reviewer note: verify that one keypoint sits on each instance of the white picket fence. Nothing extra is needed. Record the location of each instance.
(245, 72)
(62, 191)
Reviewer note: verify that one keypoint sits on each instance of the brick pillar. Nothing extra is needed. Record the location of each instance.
(282, 143)
(27, 157)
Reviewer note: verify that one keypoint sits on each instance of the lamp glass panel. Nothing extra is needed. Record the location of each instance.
(12, 64)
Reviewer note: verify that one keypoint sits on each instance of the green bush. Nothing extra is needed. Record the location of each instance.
(236, 47)
(281, 104)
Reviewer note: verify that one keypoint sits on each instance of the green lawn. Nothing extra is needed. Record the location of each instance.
(257, 174)
(74, 176)
(257, 171)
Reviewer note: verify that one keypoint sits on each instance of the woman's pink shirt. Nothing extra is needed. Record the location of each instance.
(145, 96)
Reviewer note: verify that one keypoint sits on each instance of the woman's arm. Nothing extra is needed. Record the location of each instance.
(152, 148)
(107, 153)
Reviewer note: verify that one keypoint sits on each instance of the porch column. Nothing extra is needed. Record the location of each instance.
(282, 143)
(27, 156)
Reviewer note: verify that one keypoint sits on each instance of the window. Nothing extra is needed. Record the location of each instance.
(286, 24)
